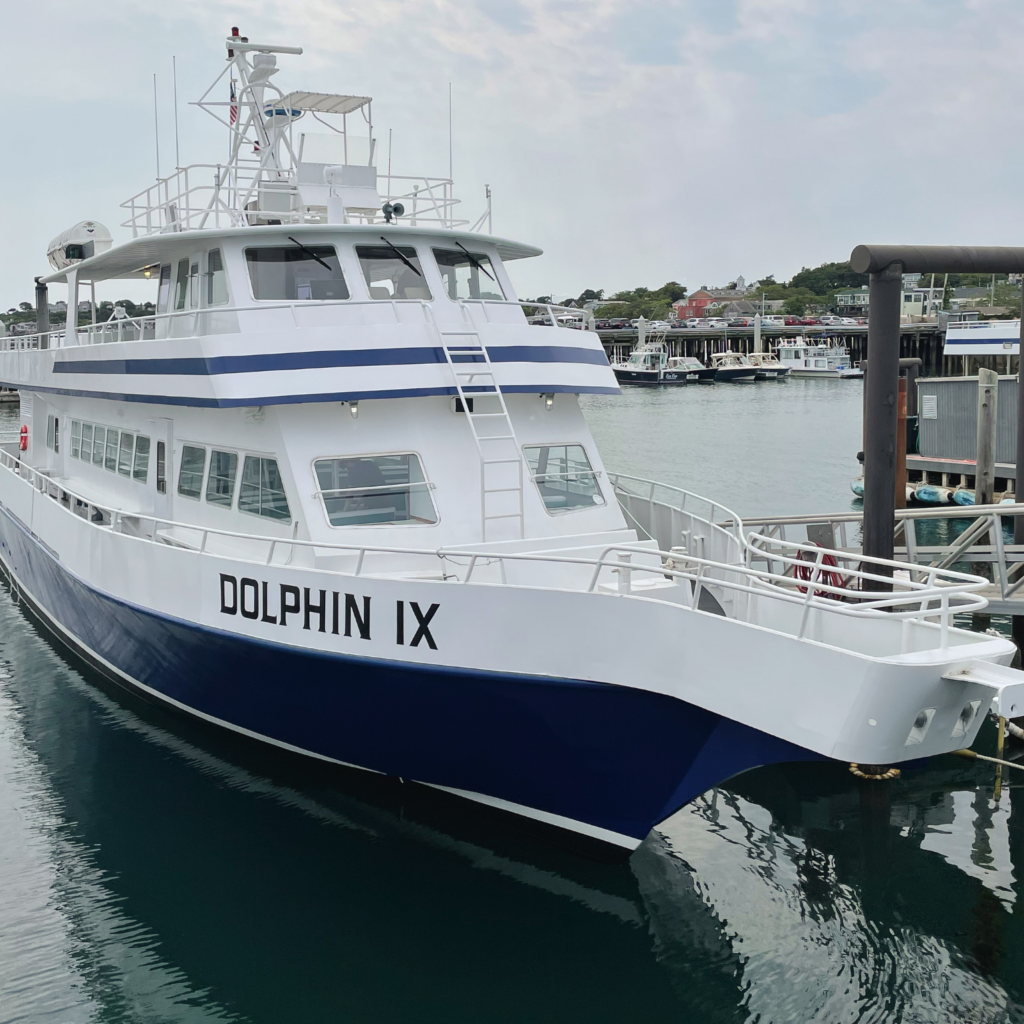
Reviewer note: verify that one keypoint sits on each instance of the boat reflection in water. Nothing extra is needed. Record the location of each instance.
(155, 868)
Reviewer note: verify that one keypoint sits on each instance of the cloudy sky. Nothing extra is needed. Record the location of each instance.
(636, 142)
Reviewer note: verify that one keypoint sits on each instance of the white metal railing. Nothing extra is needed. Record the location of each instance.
(144, 328)
(214, 196)
(921, 594)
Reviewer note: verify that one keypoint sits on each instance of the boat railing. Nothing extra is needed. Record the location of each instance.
(921, 594)
(922, 536)
(214, 196)
(211, 320)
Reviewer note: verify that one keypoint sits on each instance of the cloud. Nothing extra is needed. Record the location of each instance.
(637, 142)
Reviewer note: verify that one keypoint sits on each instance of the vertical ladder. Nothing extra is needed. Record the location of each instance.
(501, 461)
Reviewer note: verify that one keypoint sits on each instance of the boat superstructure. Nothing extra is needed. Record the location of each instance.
(806, 359)
(338, 494)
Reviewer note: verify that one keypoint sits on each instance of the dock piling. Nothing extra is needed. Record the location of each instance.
(985, 467)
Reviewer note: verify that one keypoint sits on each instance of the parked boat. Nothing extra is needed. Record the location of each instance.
(338, 495)
(650, 363)
(817, 360)
(733, 367)
(768, 366)
(694, 369)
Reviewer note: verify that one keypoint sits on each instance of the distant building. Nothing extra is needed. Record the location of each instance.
(919, 302)
(694, 305)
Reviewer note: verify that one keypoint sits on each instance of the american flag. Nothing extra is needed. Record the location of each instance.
(234, 107)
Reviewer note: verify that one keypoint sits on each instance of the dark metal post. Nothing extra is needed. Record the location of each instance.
(1017, 621)
(42, 312)
(880, 427)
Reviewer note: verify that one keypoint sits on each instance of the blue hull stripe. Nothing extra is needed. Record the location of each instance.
(276, 361)
(615, 757)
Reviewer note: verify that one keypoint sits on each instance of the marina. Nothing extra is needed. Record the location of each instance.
(378, 642)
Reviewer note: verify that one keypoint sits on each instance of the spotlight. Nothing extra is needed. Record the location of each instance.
(549, 401)
(353, 408)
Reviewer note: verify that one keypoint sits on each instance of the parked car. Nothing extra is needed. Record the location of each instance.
(773, 321)
(740, 321)
(693, 321)
(715, 322)
(809, 321)
(791, 321)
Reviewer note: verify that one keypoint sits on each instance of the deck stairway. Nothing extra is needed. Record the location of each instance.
(481, 400)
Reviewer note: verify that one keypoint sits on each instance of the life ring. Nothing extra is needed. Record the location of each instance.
(828, 573)
(23, 438)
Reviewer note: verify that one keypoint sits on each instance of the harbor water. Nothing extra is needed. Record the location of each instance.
(152, 868)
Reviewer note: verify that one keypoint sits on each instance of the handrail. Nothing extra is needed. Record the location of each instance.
(945, 512)
(19, 342)
(955, 591)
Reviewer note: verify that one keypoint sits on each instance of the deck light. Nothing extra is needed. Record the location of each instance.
(549, 401)
(353, 408)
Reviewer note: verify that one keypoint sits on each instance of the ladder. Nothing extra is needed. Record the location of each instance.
(483, 404)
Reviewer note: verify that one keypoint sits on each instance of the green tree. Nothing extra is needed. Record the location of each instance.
(828, 278)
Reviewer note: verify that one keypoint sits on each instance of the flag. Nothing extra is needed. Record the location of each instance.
(234, 107)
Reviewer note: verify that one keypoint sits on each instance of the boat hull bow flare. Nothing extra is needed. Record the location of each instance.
(335, 491)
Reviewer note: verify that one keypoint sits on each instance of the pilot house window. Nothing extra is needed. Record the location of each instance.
(392, 272)
(262, 490)
(290, 273)
(467, 275)
(375, 489)
(564, 477)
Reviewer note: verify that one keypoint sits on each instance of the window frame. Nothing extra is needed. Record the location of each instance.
(356, 246)
(212, 303)
(180, 282)
(235, 480)
(291, 245)
(245, 456)
(434, 249)
(407, 524)
(178, 492)
(598, 473)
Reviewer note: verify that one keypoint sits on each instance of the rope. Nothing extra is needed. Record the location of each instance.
(972, 754)
(884, 775)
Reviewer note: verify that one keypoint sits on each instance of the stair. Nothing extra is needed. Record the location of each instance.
(501, 460)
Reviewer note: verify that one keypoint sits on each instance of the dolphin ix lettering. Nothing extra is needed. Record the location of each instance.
(319, 610)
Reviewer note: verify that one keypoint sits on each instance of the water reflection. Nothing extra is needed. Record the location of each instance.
(156, 869)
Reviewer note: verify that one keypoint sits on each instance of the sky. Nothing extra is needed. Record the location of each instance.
(636, 142)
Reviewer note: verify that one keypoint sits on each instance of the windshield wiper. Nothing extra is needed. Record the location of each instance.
(398, 252)
(472, 259)
(309, 252)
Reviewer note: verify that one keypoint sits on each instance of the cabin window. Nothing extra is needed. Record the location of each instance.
(216, 279)
(161, 467)
(140, 470)
(99, 439)
(375, 489)
(190, 476)
(288, 273)
(220, 487)
(193, 285)
(50, 432)
(392, 272)
(110, 456)
(564, 477)
(86, 450)
(467, 275)
(262, 489)
(181, 284)
(126, 453)
(163, 295)
(76, 439)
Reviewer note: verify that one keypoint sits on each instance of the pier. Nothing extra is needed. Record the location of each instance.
(922, 341)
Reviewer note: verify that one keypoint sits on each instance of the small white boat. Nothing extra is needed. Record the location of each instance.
(817, 360)
(768, 366)
(732, 366)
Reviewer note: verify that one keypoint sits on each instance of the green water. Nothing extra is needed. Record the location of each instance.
(154, 869)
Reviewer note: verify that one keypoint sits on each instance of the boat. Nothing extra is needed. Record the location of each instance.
(338, 495)
(732, 367)
(831, 360)
(768, 366)
(857, 486)
(650, 363)
(694, 370)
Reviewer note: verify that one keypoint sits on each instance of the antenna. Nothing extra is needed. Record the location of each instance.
(156, 130)
(389, 159)
(450, 175)
(177, 153)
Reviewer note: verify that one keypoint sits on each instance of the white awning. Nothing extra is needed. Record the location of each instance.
(321, 102)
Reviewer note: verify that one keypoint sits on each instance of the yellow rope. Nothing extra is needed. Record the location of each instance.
(890, 773)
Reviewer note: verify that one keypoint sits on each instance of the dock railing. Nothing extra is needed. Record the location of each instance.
(802, 600)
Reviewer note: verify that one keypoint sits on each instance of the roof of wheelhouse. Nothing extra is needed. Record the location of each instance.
(130, 259)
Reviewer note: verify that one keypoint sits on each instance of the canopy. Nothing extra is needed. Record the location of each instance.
(322, 102)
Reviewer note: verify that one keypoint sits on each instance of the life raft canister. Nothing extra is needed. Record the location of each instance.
(23, 438)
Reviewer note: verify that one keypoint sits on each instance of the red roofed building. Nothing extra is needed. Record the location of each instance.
(694, 305)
